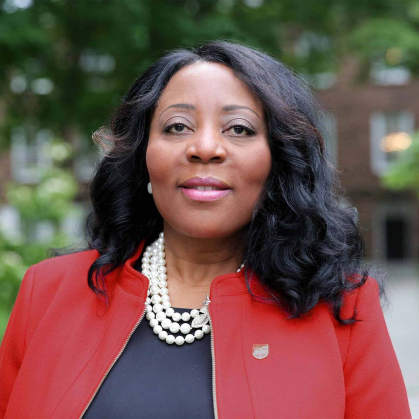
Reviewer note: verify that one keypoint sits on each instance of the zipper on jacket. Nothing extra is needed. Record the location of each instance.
(114, 361)
(214, 395)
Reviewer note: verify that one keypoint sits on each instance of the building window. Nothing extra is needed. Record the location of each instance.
(330, 136)
(393, 229)
(395, 237)
(383, 75)
(28, 156)
(390, 135)
(10, 222)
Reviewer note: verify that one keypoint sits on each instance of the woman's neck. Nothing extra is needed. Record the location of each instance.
(192, 263)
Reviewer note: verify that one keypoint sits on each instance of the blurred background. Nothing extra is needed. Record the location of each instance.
(65, 64)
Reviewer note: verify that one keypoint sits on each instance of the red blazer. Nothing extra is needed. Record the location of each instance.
(60, 344)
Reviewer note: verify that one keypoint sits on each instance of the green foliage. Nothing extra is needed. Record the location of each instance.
(49, 200)
(404, 174)
(83, 55)
(375, 37)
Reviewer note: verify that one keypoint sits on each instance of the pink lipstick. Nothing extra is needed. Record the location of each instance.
(205, 189)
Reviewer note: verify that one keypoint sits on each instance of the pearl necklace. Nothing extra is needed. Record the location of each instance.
(158, 306)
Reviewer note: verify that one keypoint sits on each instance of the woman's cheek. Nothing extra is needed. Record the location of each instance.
(256, 171)
(157, 164)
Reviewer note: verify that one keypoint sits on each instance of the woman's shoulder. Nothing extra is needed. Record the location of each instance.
(360, 298)
(62, 273)
(364, 303)
(55, 265)
(58, 283)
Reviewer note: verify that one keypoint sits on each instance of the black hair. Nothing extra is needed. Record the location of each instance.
(302, 242)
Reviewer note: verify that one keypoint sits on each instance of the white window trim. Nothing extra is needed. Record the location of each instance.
(378, 131)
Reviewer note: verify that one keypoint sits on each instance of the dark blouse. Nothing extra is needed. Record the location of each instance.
(152, 379)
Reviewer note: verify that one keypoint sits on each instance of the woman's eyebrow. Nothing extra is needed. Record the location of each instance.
(179, 105)
(234, 107)
(192, 107)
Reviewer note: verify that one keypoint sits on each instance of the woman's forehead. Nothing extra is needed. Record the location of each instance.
(207, 83)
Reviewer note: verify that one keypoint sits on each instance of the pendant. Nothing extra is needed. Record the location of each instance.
(202, 319)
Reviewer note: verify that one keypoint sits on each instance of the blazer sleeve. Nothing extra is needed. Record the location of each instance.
(12, 348)
(373, 378)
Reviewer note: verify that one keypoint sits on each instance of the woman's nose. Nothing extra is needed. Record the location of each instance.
(206, 146)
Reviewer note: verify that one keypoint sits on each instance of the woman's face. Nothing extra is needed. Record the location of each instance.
(207, 124)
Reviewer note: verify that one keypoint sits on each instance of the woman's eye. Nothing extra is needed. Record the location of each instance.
(240, 129)
(177, 127)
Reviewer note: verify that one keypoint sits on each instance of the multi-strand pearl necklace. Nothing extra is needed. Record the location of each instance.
(159, 311)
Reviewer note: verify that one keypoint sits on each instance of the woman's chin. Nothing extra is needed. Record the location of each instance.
(210, 232)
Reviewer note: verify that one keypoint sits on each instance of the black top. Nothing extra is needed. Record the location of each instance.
(152, 379)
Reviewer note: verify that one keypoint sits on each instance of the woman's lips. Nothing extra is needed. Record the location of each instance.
(197, 195)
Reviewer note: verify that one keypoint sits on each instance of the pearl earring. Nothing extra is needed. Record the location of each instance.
(149, 188)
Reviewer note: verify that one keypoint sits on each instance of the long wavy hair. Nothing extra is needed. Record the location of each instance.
(303, 244)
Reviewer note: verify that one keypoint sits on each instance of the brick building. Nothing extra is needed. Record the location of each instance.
(361, 116)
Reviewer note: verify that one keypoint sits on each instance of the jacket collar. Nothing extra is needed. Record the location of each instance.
(136, 283)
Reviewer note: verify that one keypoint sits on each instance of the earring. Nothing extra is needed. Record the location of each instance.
(149, 188)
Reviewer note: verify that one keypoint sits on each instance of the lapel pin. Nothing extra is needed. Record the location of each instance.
(260, 350)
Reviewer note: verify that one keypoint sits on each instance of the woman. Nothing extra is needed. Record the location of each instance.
(215, 213)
